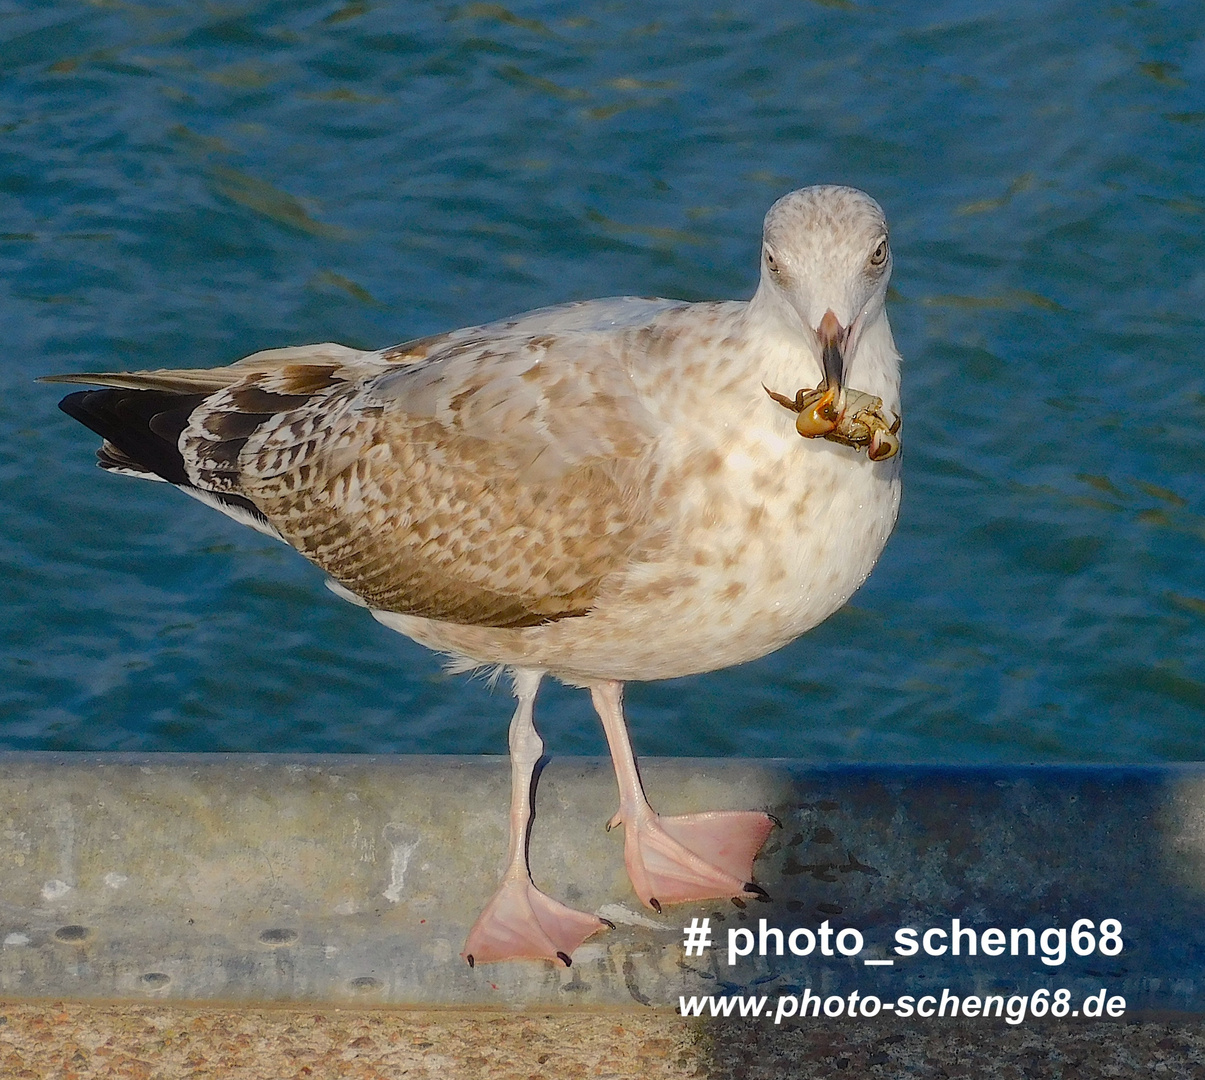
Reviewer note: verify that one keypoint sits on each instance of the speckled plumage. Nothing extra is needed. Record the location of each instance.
(559, 489)
(600, 490)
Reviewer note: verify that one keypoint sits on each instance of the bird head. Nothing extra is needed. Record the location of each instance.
(825, 265)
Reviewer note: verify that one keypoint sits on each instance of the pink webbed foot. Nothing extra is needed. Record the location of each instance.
(520, 922)
(672, 860)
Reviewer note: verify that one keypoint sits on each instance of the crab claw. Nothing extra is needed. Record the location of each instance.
(820, 416)
(883, 444)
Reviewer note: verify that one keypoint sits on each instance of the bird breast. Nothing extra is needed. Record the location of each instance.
(761, 536)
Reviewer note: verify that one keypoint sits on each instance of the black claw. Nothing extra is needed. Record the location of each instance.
(655, 904)
(607, 826)
(565, 959)
(606, 922)
(738, 902)
(469, 958)
(756, 890)
(777, 821)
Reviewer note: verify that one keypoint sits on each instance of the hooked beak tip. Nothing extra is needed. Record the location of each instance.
(832, 337)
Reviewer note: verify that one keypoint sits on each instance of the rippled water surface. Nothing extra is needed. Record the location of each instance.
(183, 183)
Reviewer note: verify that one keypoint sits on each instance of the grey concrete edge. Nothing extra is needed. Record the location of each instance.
(352, 880)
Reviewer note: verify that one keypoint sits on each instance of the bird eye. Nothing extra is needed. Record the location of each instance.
(879, 255)
(771, 262)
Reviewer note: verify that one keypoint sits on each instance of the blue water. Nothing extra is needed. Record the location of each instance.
(183, 183)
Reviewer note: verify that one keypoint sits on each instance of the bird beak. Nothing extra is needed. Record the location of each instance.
(832, 336)
(823, 415)
(820, 409)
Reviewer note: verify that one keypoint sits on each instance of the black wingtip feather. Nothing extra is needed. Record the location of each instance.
(142, 428)
(145, 425)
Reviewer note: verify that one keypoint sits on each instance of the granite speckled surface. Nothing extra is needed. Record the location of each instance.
(74, 1041)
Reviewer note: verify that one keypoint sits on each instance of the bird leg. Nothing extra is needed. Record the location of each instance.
(671, 860)
(520, 921)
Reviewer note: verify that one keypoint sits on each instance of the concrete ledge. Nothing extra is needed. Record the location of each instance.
(266, 878)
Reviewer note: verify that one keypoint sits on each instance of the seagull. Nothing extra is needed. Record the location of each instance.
(601, 491)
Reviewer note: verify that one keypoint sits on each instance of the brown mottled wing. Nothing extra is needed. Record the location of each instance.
(496, 483)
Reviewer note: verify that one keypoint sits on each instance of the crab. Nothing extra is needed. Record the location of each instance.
(845, 416)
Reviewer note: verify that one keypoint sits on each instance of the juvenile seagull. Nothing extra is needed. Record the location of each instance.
(602, 491)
